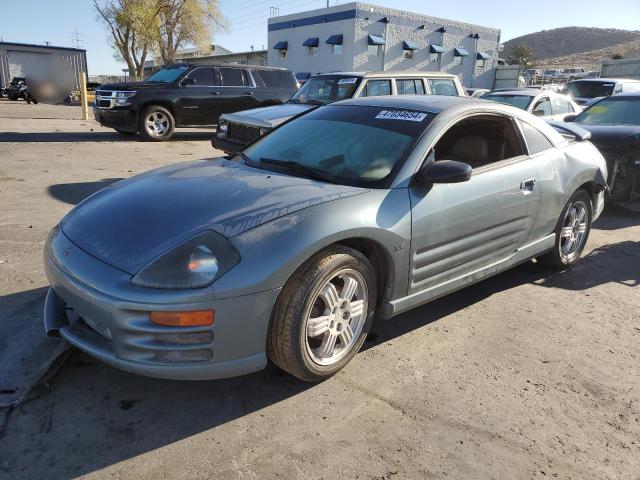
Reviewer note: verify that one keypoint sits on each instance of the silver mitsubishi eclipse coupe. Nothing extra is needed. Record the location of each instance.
(289, 249)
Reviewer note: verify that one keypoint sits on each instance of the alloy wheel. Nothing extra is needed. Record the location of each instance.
(157, 124)
(337, 317)
(574, 231)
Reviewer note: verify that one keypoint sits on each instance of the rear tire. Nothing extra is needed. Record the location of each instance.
(323, 314)
(156, 124)
(572, 233)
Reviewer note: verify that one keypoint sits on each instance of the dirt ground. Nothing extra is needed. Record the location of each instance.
(529, 374)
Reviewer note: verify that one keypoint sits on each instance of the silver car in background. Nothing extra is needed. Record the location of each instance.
(541, 103)
(366, 207)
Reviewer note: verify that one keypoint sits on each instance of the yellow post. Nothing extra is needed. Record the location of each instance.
(83, 96)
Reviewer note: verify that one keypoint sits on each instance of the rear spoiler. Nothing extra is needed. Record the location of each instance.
(570, 129)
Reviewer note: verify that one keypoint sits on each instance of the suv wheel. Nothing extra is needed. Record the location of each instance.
(323, 314)
(156, 123)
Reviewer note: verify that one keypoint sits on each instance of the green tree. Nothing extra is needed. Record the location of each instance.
(134, 26)
(184, 22)
(521, 54)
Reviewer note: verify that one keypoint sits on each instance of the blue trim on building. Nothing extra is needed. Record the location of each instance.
(406, 45)
(376, 40)
(335, 40)
(311, 42)
(460, 52)
(482, 56)
(433, 48)
(303, 22)
(281, 45)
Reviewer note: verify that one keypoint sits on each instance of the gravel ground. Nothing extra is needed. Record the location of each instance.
(529, 374)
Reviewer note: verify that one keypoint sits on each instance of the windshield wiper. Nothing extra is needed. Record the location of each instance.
(309, 172)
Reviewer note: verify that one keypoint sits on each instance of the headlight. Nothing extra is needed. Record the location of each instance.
(122, 97)
(196, 263)
(222, 126)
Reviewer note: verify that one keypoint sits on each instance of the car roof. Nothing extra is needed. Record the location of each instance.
(223, 64)
(389, 74)
(424, 103)
(518, 91)
(606, 80)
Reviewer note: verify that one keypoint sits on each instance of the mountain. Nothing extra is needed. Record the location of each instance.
(583, 43)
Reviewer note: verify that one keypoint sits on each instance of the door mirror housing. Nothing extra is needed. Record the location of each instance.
(188, 81)
(570, 118)
(446, 171)
(538, 113)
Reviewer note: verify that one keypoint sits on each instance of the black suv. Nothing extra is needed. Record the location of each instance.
(185, 95)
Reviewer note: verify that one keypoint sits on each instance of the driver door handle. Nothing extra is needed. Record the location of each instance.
(214, 93)
(527, 185)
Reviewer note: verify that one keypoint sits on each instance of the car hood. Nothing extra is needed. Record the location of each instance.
(613, 137)
(132, 222)
(269, 117)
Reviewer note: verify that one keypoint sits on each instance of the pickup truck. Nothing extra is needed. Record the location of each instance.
(237, 130)
(184, 95)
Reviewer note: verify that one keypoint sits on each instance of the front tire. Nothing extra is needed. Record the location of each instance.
(572, 232)
(323, 314)
(156, 124)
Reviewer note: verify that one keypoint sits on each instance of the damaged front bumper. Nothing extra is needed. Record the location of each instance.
(86, 306)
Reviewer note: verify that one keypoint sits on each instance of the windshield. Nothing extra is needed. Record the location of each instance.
(326, 89)
(612, 111)
(519, 101)
(168, 75)
(350, 145)
(589, 89)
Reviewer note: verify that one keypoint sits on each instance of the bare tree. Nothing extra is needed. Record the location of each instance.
(134, 25)
(185, 22)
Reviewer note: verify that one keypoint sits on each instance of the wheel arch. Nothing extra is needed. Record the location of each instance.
(380, 260)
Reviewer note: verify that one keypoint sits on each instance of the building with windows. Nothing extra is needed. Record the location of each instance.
(361, 37)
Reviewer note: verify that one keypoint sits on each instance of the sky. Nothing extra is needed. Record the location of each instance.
(39, 21)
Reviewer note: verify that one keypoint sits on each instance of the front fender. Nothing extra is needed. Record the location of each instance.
(270, 253)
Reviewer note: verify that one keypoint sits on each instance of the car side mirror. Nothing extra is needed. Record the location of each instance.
(446, 171)
(188, 81)
(570, 118)
(538, 113)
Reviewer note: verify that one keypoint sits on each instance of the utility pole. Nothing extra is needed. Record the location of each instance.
(76, 38)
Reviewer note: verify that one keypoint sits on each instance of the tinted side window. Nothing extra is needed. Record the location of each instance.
(409, 86)
(203, 77)
(536, 141)
(480, 141)
(276, 78)
(543, 107)
(377, 87)
(442, 87)
(232, 77)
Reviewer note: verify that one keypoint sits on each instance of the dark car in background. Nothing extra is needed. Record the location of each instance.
(614, 123)
(185, 95)
(585, 90)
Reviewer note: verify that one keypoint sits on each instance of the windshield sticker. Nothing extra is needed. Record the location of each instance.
(342, 81)
(401, 115)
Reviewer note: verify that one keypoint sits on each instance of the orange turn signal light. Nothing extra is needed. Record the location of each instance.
(198, 318)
